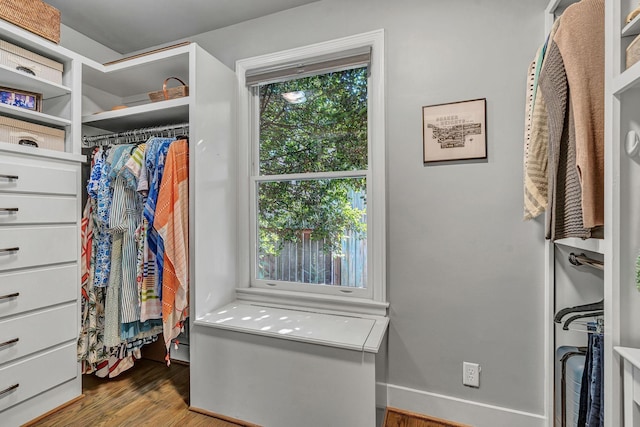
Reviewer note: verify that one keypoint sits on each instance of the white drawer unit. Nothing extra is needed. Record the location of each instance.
(40, 209)
(26, 378)
(36, 209)
(24, 175)
(23, 335)
(23, 247)
(33, 289)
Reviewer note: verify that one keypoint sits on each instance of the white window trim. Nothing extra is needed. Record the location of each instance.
(376, 207)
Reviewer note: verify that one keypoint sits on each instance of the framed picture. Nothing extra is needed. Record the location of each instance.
(20, 98)
(454, 131)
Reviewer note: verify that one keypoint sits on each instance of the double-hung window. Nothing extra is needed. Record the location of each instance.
(313, 176)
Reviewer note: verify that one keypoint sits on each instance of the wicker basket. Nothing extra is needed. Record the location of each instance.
(33, 15)
(169, 93)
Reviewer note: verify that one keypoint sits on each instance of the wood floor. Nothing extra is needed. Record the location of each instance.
(400, 418)
(149, 394)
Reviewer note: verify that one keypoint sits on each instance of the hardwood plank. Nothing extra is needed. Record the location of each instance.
(149, 394)
(53, 411)
(401, 418)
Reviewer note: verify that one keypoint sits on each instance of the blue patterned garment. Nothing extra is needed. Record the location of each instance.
(155, 156)
(99, 190)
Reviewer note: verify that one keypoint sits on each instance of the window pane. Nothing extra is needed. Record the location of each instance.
(314, 124)
(313, 231)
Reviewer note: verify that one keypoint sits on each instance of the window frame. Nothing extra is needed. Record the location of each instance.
(372, 299)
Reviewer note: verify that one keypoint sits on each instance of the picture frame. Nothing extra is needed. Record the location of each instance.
(21, 99)
(454, 131)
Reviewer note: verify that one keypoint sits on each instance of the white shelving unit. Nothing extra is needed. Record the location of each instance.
(158, 113)
(210, 111)
(128, 83)
(40, 286)
(48, 190)
(622, 173)
(61, 102)
(621, 245)
(568, 285)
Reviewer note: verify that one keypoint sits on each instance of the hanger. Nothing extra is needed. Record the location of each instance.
(578, 309)
(593, 327)
(580, 316)
(582, 259)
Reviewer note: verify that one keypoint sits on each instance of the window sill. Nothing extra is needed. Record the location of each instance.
(330, 304)
(347, 332)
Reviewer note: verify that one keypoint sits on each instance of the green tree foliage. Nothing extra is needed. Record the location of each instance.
(326, 132)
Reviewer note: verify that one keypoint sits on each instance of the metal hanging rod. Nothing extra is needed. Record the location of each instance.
(136, 135)
(582, 259)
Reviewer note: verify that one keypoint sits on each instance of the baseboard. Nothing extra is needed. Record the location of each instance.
(381, 395)
(459, 410)
(53, 411)
(223, 417)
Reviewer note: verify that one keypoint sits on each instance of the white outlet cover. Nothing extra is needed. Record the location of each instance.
(470, 374)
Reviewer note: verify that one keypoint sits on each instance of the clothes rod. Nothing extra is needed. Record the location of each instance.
(582, 259)
(136, 135)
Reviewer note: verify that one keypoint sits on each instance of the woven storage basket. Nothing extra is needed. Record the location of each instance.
(20, 132)
(28, 62)
(33, 15)
(169, 93)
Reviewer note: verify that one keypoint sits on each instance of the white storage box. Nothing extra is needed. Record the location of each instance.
(31, 63)
(20, 132)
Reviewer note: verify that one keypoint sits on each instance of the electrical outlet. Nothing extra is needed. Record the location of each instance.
(471, 374)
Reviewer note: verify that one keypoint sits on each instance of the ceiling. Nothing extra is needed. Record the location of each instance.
(131, 25)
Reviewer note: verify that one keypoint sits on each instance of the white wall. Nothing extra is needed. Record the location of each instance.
(79, 43)
(465, 272)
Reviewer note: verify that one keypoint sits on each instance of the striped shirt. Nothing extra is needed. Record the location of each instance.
(154, 160)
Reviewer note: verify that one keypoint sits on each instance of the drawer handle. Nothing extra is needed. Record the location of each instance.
(16, 249)
(8, 296)
(6, 343)
(9, 209)
(25, 70)
(4, 175)
(8, 389)
(28, 142)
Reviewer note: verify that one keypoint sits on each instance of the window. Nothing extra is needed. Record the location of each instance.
(312, 167)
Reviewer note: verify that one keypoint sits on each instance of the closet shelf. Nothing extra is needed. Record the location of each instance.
(140, 75)
(33, 116)
(630, 354)
(16, 35)
(632, 28)
(591, 245)
(6, 147)
(153, 114)
(628, 79)
(17, 80)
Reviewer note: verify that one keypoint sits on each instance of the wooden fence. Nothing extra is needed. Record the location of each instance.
(308, 261)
